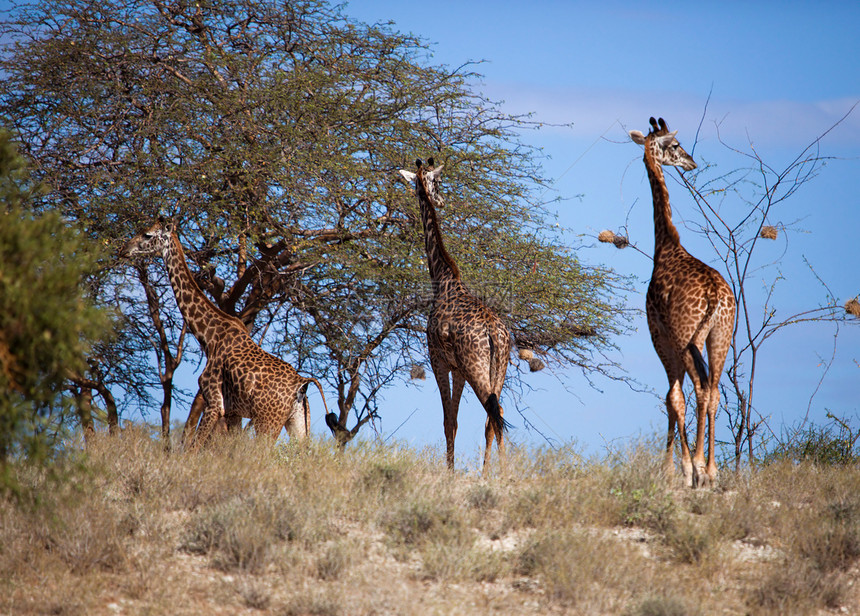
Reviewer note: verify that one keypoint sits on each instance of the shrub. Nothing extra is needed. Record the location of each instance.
(239, 533)
(335, 560)
(691, 540)
(664, 606)
(834, 443)
(570, 562)
(796, 587)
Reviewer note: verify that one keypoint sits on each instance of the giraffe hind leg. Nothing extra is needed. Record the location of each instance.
(719, 341)
(675, 405)
(702, 387)
(701, 370)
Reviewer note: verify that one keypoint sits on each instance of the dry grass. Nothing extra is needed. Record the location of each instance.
(244, 529)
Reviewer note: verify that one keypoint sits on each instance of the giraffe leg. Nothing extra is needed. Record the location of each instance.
(700, 475)
(719, 341)
(264, 427)
(232, 423)
(676, 404)
(213, 405)
(703, 396)
(669, 458)
(208, 423)
(458, 383)
(713, 405)
(449, 421)
(441, 370)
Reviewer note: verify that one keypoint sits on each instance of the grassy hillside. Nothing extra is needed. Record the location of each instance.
(245, 529)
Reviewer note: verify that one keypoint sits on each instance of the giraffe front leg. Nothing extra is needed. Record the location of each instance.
(213, 406)
(449, 407)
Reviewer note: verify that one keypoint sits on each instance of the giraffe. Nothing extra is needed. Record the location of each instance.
(239, 379)
(464, 337)
(688, 304)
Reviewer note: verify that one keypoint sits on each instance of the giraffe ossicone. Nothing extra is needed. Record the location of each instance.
(689, 306)
(239, 379)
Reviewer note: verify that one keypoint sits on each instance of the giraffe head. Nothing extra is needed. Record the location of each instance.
(426, 180)
(663, 145)
(152, 241)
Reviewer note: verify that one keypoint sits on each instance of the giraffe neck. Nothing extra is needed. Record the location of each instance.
(665, 233)
(205, 320)
(439, 262)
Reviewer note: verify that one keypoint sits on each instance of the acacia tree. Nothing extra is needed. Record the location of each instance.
(273, 132)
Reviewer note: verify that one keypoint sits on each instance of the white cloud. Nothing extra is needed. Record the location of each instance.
(772, 123)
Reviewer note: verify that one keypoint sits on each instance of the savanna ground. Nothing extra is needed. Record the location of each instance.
(242, 528)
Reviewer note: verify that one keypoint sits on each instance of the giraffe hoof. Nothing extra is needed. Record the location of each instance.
(702, 479)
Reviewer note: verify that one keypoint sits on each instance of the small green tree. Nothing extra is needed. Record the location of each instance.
(46, 320)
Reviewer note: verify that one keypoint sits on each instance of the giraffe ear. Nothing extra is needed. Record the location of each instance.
(637, 137)
(410, 177)
(167, 223)
(435, 173)
(667, 140)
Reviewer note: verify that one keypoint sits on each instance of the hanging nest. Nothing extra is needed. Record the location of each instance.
(526, 354)
(536, 365)
(416, 373)
(610, 237)
(768, 232)
(852, 306)
(606, 236)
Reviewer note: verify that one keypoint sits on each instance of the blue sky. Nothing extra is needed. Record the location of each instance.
(780, 75)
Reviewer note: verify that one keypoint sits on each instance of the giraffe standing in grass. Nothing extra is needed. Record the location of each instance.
(688, 305)
(240, 379)
(465, 338)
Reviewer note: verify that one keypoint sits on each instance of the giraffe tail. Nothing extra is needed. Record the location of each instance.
(494, 414)
(698, 360)
(311, 379)
(492, 406)
(699, 363)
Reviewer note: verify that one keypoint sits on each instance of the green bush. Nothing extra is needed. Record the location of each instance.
(831, 444)
(47, 321)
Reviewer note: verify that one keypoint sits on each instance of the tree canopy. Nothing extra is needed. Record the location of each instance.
(272, 132)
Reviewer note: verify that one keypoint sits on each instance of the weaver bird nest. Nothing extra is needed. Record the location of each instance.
(536, 365)
(768, 232)
(610, 237)
(416, 373)
(852, 306)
